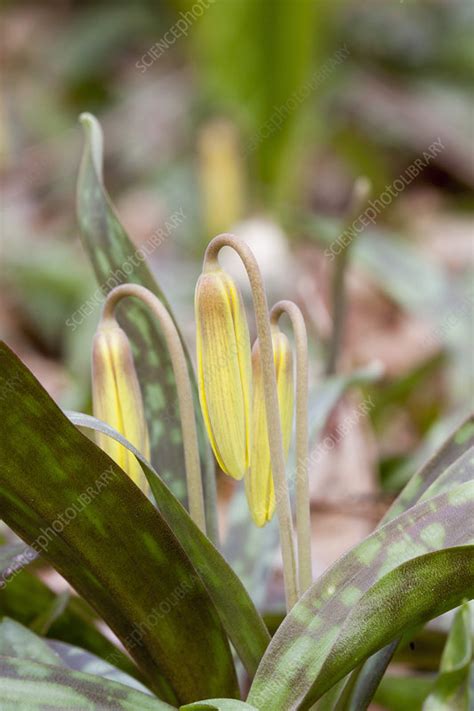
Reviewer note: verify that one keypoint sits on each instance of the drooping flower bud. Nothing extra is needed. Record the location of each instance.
(224, 369)
(259, 485)
(117, 398)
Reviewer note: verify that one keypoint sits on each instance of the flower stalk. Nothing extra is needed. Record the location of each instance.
(271, 401)
(303, 517)
(183, 386)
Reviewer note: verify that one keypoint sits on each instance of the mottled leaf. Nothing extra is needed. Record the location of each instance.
(452, 690)
(445, 462)
(113, 547)
(452, 464)
(79, 660)
(218, 705)
(36, 686)
(307, 643)
(18, 641)
(411, 594)
(116, 260)
(238, 614)
(25, 598)
(251, 551)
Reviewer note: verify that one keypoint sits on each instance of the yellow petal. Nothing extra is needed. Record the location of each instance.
(259, 480)
(224, 370)
(117, 399)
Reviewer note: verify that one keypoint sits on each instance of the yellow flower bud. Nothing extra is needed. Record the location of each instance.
(259, 485)
(224, 370)
(117, 398)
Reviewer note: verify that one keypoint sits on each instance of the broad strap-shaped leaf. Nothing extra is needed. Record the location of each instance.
(25, 598)
(116, 260)
(34, 686)
(414, 593)
(358, 689)
(218, 705)
(411, 594)
(251, 551)
(78, 659)
(66, 497)
(308, 637)
(452, 690)
(444, 462)
(452, 464)
(19, 641)
(238, 614)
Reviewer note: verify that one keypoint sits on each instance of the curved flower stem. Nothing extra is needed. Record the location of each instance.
(303, 518)
(271, 402)
(183, 386)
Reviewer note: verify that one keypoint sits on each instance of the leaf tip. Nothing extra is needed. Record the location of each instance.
(94, 139)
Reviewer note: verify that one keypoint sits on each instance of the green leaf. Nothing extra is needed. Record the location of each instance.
(25, 598)
(18, 641)
(35, 686)
(451, 464)
(413, 593)
(113, 547)
(238, 614)
(218, 705)
(305, 644)
(115, 261)
(452, 690)
(445, 462)
(79, 660)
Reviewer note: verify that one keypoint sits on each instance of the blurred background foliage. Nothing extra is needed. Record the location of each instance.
(257, 118)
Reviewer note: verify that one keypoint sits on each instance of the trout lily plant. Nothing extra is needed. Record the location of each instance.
(123, 505)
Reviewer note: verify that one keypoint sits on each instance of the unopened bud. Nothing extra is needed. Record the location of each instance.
(117, 398)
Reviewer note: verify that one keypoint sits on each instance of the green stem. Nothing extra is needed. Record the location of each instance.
(271, 402)
(183, 387)
(303, 516)
(360, 194)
